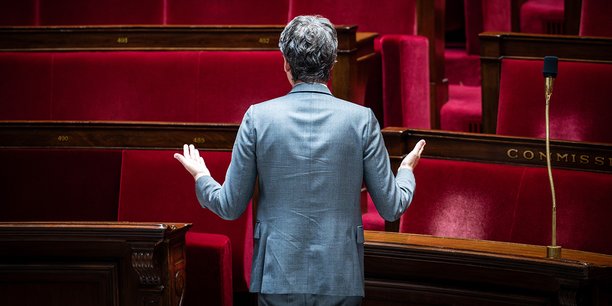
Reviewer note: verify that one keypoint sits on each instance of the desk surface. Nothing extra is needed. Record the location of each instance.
(487, 248)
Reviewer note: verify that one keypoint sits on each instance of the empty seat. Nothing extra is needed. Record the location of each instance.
(59, 184)
(579, 109)
(542, 17)
(595, 18)
(185, 86)
(18, 13)
(218, 12)
(107, 12)
(463, 200)
(400, 85)
(155, 187)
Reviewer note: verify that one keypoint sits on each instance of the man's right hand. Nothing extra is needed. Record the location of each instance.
(412, 159)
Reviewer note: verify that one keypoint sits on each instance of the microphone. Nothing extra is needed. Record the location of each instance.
(550, 73)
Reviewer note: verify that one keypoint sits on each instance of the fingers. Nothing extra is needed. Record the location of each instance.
(185, 151)
(418, 148)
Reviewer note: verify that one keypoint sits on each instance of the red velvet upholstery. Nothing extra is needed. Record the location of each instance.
(463, 111)
(208, 270)
(510, 203)
(595, 18)
(59, 184)
(149, 86)
(25, 86)
(406, 99)
(580, 108)
(138, 86)
(229, 82)
(155, 187)
(461, 68)
(226, 12)
(463, 199)
(542, 17)
(405, 61)
(383, 17)
(371, 218)
(583, 210)
(18, 13)
(107, 12)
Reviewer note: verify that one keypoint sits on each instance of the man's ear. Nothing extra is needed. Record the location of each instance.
(286, 66)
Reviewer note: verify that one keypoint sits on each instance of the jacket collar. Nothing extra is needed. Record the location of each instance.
(310, 87)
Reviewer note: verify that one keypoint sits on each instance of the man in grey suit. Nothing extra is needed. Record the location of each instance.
(310, 152)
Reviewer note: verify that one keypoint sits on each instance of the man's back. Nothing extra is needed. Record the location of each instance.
(308, 217)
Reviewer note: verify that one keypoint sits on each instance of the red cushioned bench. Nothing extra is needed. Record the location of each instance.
(185, 86)
(95, 172)
(489, 187)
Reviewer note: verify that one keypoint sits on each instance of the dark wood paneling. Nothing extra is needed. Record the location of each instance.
(116, 135)
(92, 263)
(488, 148)
(408, 269)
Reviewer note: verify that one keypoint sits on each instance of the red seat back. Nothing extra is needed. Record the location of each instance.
(213, 12)
(59, 184)
(579, 109)
(155, 187)
(595, 18)
(18, 13)
(107, 12)
(186, 86)
(583, 210)
(383, 17)
(463, 199)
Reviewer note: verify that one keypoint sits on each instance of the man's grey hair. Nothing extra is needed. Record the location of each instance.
(310, 46)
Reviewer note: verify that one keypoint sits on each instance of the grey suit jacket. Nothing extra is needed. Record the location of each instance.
(311, 153)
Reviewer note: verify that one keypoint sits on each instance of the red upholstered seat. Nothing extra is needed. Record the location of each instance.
(229, 82)
(26, 94)
(405, 62)
(214, 12)
(107, 12)
(155, 187)
(59, 184)
(511, 203)
(463, 199)
(583, 209)
(463, 110)
(208, 270)
(580, 108)
(140, 86)
(18, 13)
(185, 86)
(595, 18)
(406, 86)
(542, 17)
(370, 217)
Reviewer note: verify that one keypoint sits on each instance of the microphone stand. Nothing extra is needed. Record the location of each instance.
(552, 251)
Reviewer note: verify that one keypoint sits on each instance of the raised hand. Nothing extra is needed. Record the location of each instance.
(192, 161)
(412, 159)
